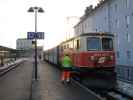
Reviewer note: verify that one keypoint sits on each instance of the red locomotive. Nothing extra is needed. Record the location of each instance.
(93, 54)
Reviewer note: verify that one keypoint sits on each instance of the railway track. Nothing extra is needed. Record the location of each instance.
(105, 95)
(118, 96)
(3, 71)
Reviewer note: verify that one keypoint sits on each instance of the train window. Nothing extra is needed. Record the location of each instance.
(64, 46)
(78, 44)
(93, 44)
(107, 44)
(67, 45)
(61, 48)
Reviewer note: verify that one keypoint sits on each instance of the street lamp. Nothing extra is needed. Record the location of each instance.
(35, 10)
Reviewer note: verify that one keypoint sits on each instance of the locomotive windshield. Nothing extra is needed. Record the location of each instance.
(97, 44)
(93, 44)
(107, 44)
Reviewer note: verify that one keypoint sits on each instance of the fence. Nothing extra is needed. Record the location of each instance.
(125, 73)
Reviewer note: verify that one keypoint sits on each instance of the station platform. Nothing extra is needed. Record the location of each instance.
(19, 84)
(49, 87)
(16, 83)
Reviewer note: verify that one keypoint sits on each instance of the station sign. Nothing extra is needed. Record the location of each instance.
(40, 35)
(35, 35)
(30, 35)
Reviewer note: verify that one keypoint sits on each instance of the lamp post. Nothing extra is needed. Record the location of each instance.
(35, 10)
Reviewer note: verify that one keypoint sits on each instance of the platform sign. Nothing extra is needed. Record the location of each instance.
(30, 35)
(33, 35)
(40, 35)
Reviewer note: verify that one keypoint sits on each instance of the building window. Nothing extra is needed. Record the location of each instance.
(117, 23)
(127, 18)
(67, 45)
(78, 31)
(105, 19)
(118, 54)
(64, 46)
(78, 44)
(71, 45)
(116, 7)
(127, 2)
(85, 26)
(118, 42)
(128, 54)
(96, 29)
(128, 37)
(82, 28)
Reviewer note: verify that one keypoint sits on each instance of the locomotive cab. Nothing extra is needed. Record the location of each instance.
(95, 57)
(100, 51)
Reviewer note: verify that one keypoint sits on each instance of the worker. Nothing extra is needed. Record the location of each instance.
(67, 66)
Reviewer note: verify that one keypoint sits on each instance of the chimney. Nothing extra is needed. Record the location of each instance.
(88, 9)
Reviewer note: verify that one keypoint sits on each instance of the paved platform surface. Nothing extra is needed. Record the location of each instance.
(16, 84)
(11, 63)
(49, 87)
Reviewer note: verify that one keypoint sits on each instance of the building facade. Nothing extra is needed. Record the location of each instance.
(24, 44)
(115, 17)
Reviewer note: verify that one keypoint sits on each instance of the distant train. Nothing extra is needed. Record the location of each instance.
(93, 54)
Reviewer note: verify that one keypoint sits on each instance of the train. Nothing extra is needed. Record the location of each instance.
(92, 54)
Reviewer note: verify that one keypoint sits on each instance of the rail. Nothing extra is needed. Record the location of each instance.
(8, 67)
(105, 95)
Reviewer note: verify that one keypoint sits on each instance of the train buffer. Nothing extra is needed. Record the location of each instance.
(49, 86)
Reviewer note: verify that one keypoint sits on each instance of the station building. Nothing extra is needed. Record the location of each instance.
(9, 54)
(115, 17)
(28, 46)
(23, 44)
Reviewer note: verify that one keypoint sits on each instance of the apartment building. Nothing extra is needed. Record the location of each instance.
(115, 17)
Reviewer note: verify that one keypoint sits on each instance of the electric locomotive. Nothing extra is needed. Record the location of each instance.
(94, 57)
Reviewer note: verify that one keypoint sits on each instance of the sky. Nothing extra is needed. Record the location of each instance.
(56, 22)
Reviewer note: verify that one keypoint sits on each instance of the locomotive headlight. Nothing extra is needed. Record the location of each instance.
(111, 57)
(92, 58)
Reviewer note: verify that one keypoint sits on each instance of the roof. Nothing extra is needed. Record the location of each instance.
(5, 48)
(90, 34)
(22, 39)
(90, 10)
